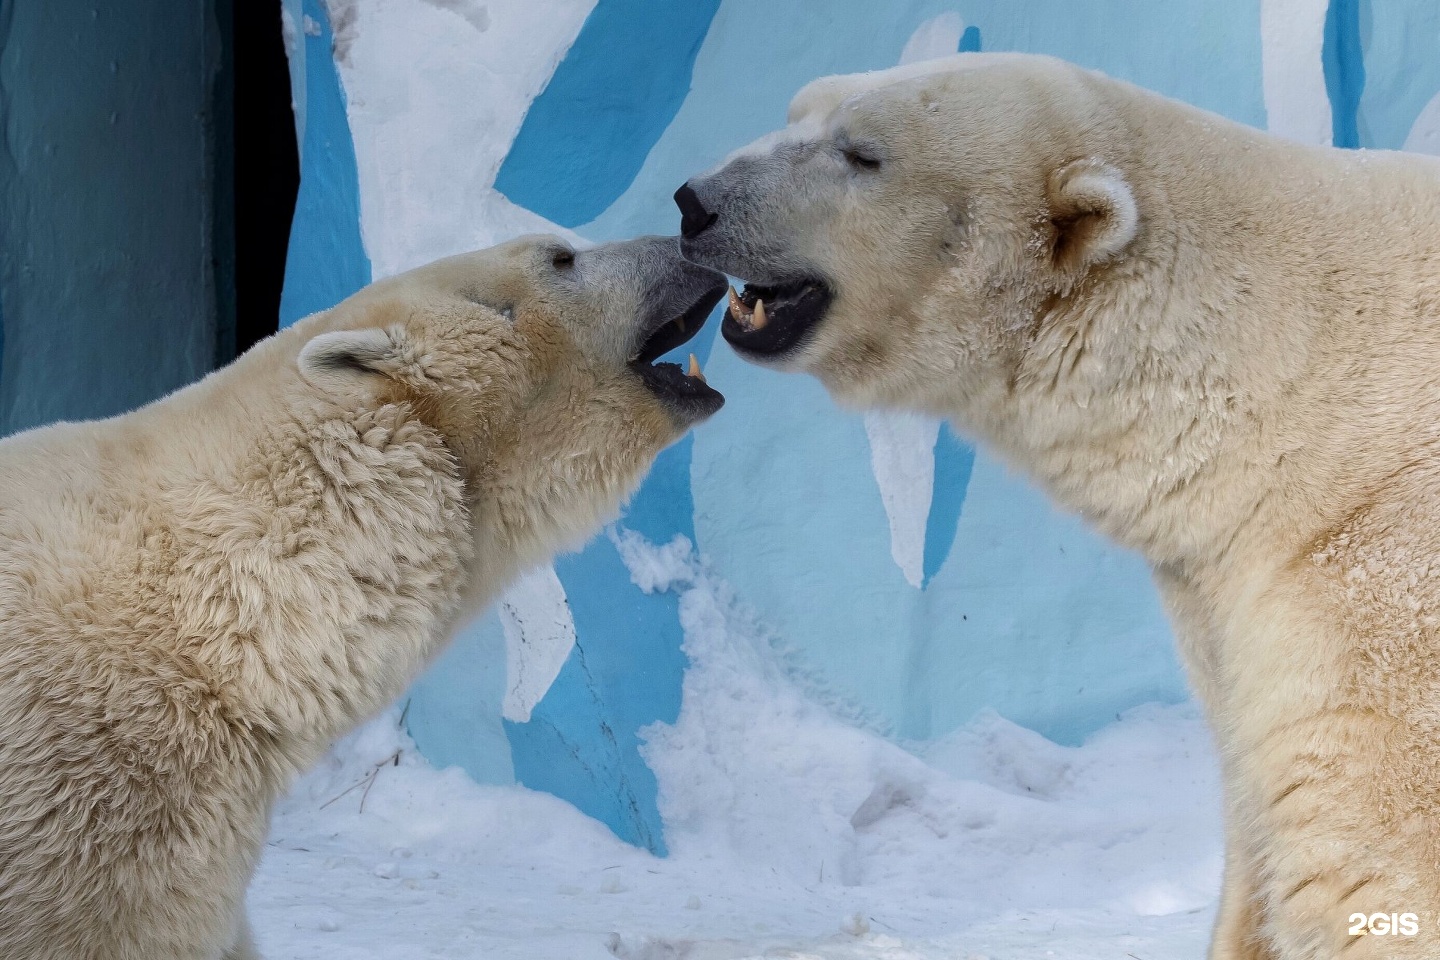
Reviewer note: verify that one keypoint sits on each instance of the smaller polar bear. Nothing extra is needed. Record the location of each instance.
(197, 597)
(1221, 348)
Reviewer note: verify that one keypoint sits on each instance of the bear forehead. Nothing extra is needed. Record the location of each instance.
(823, 97)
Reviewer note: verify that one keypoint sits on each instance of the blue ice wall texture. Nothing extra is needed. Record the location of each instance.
(1012, 605)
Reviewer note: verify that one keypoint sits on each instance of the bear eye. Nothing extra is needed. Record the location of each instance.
(562, 259)
(861, 159)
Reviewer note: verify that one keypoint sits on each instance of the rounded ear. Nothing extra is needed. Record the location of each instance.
(818, 98)
(1092, 212)
(338, 361)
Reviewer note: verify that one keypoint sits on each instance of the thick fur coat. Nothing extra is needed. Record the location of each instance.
(1220, 347)
(197, 597)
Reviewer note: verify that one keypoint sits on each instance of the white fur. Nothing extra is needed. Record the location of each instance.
(1222, 348)
(197, 597)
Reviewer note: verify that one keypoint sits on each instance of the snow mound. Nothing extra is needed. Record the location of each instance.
(793, 833)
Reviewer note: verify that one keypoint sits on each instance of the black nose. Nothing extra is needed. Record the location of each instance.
(694, 218)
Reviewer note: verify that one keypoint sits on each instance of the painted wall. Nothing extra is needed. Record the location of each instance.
(106, 283)
(909, 581)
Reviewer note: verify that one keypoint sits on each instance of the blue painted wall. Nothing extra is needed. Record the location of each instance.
(106, 283)
(1016, 607)
(954, 462)
(609, 100)
(326, 261)
(1399, 67)
(1344, 61)
(1029, 613)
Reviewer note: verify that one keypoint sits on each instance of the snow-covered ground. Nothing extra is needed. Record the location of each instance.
(794, 832)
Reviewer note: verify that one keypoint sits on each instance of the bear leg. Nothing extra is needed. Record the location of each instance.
(1237, 934)
(1343, 849)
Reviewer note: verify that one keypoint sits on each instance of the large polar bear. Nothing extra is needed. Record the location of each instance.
(197, 597)
(1220, 347)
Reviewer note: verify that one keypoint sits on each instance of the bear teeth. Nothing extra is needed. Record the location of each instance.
(694, 370)
(758, 319)
(738, 310)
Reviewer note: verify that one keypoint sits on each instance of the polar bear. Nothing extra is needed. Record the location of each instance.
(197, 597)
(1221, 348)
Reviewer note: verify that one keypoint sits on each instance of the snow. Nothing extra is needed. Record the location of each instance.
(793, 833)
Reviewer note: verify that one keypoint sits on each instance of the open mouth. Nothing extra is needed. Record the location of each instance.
(769, 322)
(683, 389)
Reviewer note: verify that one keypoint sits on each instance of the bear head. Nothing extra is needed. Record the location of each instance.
(535, 363)
(905, 233)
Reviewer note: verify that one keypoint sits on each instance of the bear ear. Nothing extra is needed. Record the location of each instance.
(1093, 213)
(337, 361)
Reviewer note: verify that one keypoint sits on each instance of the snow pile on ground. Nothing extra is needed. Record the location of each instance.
(793, 833)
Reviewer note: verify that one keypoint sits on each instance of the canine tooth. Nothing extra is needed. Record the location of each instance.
(738, 309)
(695, 369)
(680, 322)
(758, 320)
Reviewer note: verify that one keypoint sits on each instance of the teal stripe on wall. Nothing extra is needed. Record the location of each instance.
(326, 261)
(1343, 58)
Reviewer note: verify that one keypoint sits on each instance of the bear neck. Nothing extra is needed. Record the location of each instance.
(319, 550)
(1224, 385)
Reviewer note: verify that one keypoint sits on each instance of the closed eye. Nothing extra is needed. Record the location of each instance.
(563, 258)
(860, 158)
